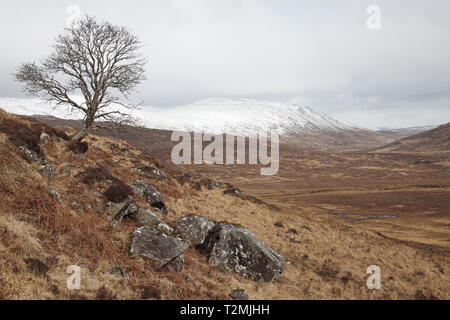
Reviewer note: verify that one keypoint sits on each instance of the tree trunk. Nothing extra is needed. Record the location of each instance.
(83, 131)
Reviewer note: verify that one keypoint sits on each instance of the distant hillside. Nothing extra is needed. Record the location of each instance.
(401, 133)
(437, 139)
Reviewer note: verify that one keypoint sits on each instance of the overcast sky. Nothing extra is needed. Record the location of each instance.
(317, 53)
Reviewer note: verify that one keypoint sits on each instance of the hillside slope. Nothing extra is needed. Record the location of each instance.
(437, 139)
(401, 133)
(42, 234)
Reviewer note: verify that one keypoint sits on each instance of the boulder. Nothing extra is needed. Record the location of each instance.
(235, 249)
(194, 228)
(164, 249)
(149, 218)
(151, 193)
(46, 171)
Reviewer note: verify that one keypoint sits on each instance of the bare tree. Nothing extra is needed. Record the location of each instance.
(99, 60)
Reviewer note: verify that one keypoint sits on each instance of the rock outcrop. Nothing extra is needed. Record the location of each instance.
(151, 193)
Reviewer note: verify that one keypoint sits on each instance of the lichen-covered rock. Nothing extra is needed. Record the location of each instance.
(46, 171)
(151, 193)
(149, 218)
(194, 228)
(28, 154)
(235, 249)
(158, 246)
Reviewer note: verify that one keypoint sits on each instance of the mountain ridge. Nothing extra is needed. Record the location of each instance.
(237, 116)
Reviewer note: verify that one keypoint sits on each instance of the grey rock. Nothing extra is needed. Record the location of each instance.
(239, 294)
(55, 195)
(28, 155)
(45, 138)
(194, 228)
(176, 264)
(149, 218)
(67, 170)
(46, 171)
(75, 205)
(164, 249)
(132, 209)
(151, 193)
(234, 249)
(152, 170)
(119, 271)
(118, 210)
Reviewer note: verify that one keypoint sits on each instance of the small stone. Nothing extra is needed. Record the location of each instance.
(119, 271)
(279, 224)
(55, 195)
(239, 294)
(46, 171)
(118, 210)
(45, 138)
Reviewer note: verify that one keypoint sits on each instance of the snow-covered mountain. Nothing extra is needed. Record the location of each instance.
(215, 115)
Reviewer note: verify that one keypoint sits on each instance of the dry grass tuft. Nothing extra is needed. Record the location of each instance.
(78, 147)
(118, 192)
(95, 175)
